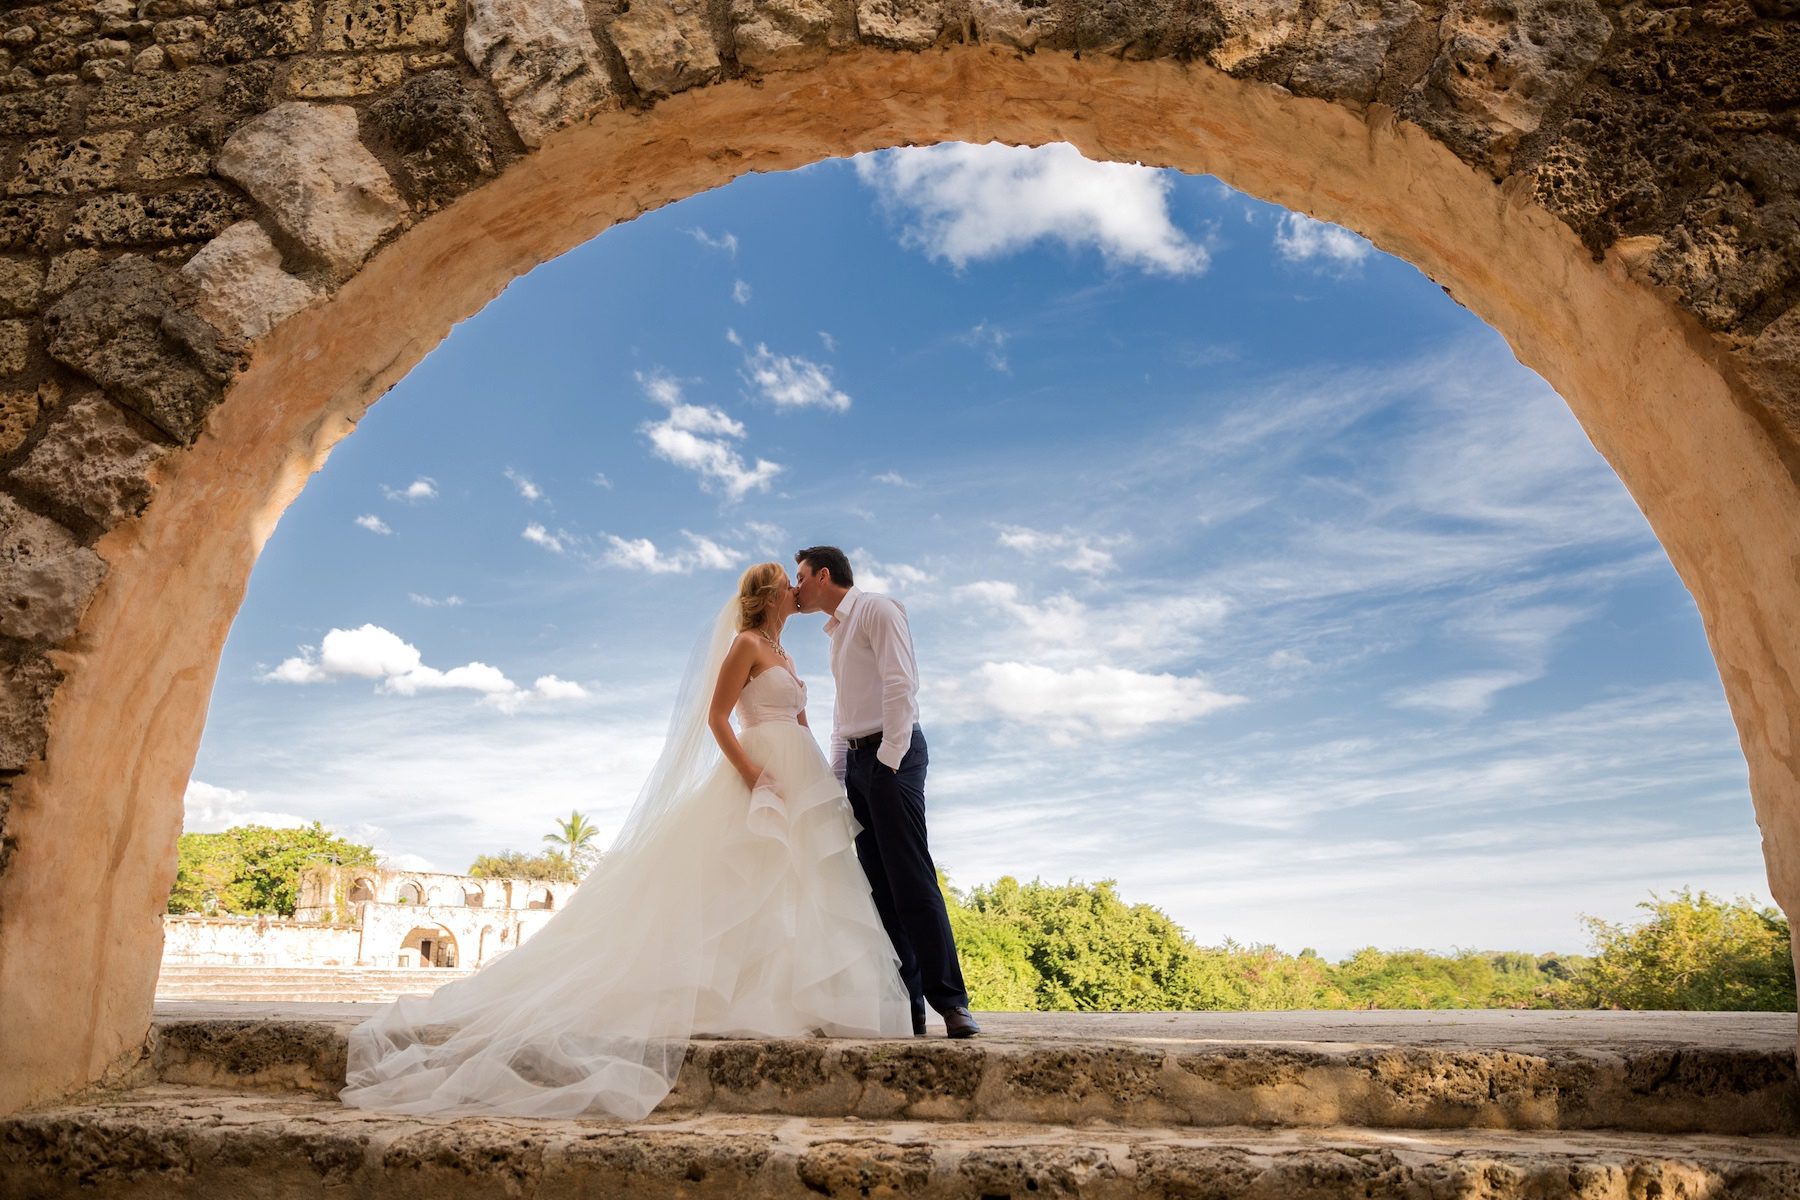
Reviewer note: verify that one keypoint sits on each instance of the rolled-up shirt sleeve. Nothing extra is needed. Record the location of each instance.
(840, 754)
(891, 640)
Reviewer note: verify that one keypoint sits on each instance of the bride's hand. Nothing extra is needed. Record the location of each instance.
(752, 778)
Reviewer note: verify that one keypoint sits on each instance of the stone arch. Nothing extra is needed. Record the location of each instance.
(434, 944)
(201, 290)
(409, 891)
(482, 944)
(473, 896)
(362, 889)
(541, 896)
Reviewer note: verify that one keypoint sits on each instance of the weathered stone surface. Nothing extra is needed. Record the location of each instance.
(666, 45)
(21, 283)
(1252, 33)
(25, 691)
(1773, 366)
(34, 112)
(1002, 22)
(91, 460)
(899, 24)
(19, 410)
(27, 223)
(86, 164)
(15, 347)
(1502, 65)
(178, 150)
(109, 326)
(237, 284)
(188, 214)
(389, 24)
(779, 35)
(259, 31)
(45, 574)
(142, 98)
(351, 75)
(66, 268)
(541, 57)
(446, 132)
(304, 162)
(1346, 49)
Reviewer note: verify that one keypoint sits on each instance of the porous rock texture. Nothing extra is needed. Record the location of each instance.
(227, 225)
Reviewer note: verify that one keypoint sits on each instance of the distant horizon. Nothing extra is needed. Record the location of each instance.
(1242, 562)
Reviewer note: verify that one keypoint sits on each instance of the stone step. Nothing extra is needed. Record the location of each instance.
(241, 983)
(1061, 1071)
(172, 1141)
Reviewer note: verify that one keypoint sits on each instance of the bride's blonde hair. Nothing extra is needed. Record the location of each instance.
(756, 590)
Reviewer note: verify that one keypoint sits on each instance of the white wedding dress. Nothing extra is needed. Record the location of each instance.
(718, 910)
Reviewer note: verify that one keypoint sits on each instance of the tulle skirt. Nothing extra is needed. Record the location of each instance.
(741, 913)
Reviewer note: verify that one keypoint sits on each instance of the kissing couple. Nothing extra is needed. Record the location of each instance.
(757, 888)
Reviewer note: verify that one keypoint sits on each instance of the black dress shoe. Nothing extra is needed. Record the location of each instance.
(918, 1025)
(959, 1024)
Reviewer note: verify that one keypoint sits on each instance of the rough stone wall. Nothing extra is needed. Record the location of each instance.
(265, 941)
(178, 176)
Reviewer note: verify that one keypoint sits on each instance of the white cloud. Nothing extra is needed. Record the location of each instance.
(968, 203)
(726, 241)
(1101, 700)
(1075, 551)
(527, 489)
(552, 688)
(374, 524)
(556, 543)
(991, 341)
(894, 479)
(422, 488)
(895, 578)
(424, 601)
(790, 381)
(1299, 239)
(642, 554)
(397, 666)
(210, 809)
(770, 538)
(698, 439)
(830, 342)
(740, 292)
(601, 481)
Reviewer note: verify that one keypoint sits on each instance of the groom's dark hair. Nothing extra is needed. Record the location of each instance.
(828, 558)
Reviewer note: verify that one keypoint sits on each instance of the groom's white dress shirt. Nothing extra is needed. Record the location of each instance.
(877, 680)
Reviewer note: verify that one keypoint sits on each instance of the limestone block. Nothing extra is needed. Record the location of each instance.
(45, 574)
(389, 24)
(27, 223)
(1501, 66)
(25, 691)
(133, 98)
(447, 133)
(259, 31)
(34, 112)
(238, 286)
(178, 150)
(305, 164)
(86, 164)
(1006, 23)
(21, 283)
(91, 460)
(1251, 31)
(188, 214)
(899, 24)
(65, 269)
(542, 60)
(336, 78)
(779, 35)
(666, 45)
(1347, 46)
(19, 411)
(108, 326)
(15, 347)
(1774, 362)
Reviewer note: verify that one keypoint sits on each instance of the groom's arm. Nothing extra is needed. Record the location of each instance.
(840, 753)
(891, 640)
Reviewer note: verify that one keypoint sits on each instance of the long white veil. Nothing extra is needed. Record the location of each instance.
(593, 1013)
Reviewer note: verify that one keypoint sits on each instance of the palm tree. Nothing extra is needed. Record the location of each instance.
(573, 837)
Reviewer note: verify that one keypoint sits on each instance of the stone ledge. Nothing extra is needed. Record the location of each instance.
(167, 1141)
(1067, 1069)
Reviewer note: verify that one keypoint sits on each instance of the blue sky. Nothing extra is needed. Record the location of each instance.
(1245, 567)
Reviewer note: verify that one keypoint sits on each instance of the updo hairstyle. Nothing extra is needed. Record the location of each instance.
(756, 591)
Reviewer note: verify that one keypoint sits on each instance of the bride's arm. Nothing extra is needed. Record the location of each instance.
(733, 675)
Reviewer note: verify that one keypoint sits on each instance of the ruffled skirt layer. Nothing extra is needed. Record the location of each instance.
(742, 913)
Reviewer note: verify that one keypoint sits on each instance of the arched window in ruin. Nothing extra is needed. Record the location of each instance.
(541, 897)
(473, 896)
(362, 890)
(409, 893)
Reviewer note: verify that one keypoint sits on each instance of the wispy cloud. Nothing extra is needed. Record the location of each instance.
(1065, 705)
(740, 292)
(397, 666)
(556, 543)
(964, 203)
(374, 524)
(699, 438)
(725, 241)
(420, 489)
(1300, 239)
(1072, 550)
(790, 380)
(991, 341)
(529, 490)
(424, 601)
(642, 554)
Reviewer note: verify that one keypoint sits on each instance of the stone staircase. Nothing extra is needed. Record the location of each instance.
(239, 1100)
(272, 985)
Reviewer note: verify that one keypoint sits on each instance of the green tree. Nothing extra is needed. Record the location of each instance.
(1694, 952)
(574, 837)
(516, 864)
(254, 868)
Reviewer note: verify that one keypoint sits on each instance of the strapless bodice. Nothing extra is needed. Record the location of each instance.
(775, 695)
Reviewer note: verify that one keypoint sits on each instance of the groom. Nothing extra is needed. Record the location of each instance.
(878, 752)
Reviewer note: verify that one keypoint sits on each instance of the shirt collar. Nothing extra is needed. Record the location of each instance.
(843, 609)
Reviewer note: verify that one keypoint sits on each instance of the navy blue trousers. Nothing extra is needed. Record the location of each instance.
(890, 806)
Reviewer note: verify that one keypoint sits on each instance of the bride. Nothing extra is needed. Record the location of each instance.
(731, 903)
